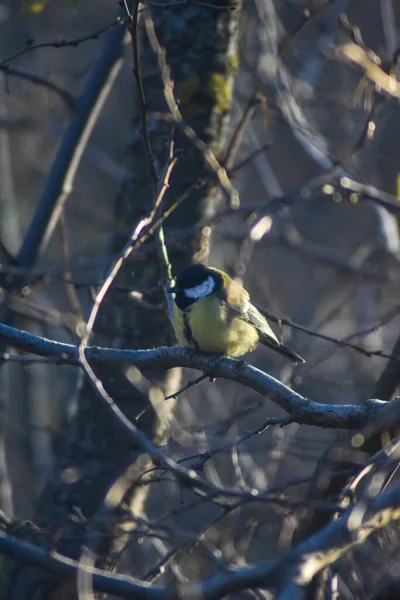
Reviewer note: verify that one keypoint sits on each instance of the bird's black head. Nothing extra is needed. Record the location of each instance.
(195, 282)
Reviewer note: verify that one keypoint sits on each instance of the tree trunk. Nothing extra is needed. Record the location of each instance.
(201, 49)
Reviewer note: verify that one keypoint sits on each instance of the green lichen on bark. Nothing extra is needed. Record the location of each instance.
(220, 85)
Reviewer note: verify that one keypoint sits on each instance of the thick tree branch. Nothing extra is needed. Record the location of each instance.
(119, 585)
(301, 409)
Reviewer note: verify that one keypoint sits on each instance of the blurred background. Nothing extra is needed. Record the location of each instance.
(328, 259)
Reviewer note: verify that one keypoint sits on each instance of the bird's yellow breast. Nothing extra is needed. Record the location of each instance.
(206, 327)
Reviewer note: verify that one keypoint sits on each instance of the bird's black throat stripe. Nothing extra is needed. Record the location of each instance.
(188, 331)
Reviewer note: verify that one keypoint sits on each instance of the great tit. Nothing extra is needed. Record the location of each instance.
(213, 314)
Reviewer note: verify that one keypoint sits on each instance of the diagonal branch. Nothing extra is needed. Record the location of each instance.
(59, 183)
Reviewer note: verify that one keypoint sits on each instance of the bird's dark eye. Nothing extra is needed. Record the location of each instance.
(182, 301)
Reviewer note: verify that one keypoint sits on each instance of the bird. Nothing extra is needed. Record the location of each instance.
(213, 314)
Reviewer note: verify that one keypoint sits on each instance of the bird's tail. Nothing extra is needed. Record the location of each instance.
(284, 350)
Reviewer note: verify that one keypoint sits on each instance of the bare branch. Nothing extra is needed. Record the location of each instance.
(344, 342)
(120, 585)
(302, 410)
(61, 43)
(237, 136)
(144, 129)
(299, 564)
(65, 94)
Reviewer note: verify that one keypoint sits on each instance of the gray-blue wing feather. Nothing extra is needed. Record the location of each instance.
(249, 313)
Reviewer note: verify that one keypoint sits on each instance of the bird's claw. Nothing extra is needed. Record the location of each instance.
(213, 363)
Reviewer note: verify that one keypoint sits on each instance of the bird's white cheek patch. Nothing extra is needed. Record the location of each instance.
(201, 290)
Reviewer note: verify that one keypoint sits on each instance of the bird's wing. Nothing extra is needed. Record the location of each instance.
(253, 316)
(239, 305)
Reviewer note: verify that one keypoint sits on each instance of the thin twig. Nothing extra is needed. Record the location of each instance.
(158, 187)
(28, 360)
(353, 31)
(70, 289)
(202, 458)
(186, 387)
(62, 43)
(243, 163)
(162, 252)
(134, 242)
(388, 201)
(234, 144)
(144, 130)
(64, 94)
(308, 19)
(392, 314)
